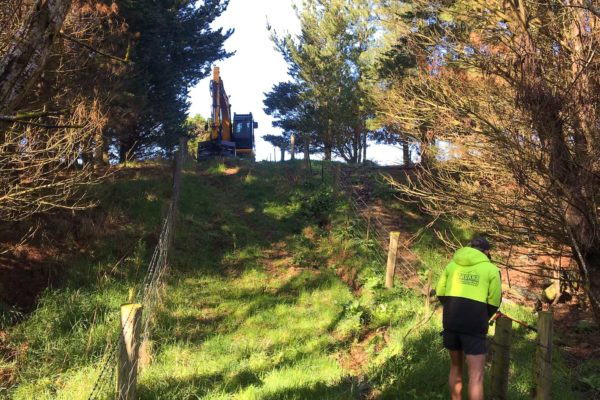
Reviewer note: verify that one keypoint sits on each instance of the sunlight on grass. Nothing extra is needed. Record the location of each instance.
(280, 211)
(216, 169)
(265, 325)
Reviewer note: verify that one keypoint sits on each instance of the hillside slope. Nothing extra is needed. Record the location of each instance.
(273, 293)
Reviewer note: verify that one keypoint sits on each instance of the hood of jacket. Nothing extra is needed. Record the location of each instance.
(468, 257)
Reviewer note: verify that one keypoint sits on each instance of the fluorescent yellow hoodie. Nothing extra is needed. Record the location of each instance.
(470, 290)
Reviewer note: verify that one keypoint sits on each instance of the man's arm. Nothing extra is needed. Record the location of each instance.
(494, 293)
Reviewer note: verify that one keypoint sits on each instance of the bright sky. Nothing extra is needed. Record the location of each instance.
(257, 66)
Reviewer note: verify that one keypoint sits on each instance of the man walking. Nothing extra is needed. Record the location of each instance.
(470, 291)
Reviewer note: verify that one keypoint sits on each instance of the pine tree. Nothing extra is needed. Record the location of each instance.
(329, 62)
(173, 48)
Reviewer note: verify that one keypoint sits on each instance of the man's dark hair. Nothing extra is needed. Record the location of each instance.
(480, 243)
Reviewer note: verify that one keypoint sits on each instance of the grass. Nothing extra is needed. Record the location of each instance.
(239, 321)
(261, 302)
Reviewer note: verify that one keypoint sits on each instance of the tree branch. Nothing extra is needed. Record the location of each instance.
(87, 46)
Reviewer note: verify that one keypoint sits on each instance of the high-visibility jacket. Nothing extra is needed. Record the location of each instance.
(470, 290)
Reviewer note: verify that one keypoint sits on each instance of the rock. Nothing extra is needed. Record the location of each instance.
(549, 294)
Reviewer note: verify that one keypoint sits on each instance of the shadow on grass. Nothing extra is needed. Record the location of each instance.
(421, 370)
(223, 226)
(196, 329)
(104, 251)
(340, 391)
(199, 387)
(225, 213)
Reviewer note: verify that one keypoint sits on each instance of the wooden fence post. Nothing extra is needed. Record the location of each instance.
(501, 358)
(391, 261)
(543, 356)
(131, 295)
(131, 322)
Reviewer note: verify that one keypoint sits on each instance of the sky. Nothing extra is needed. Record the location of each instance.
(256, 67)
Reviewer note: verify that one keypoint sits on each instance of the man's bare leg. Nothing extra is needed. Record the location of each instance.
(455, 377)
(476, 364)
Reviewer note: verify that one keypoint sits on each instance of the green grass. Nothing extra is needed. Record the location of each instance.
(233, 324)
(254, 306)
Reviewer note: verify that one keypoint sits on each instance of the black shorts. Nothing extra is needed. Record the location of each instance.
(468, 344)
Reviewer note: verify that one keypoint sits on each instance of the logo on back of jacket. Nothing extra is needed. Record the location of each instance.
(468, 279)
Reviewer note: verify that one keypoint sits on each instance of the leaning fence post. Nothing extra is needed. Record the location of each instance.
(391, 261)
(501, 358)
(543, 356)
(131, 318)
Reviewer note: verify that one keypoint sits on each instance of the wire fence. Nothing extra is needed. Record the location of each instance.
(376, 229)
(348, 180)
(117, 355)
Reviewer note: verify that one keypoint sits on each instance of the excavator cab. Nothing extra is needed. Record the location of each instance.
(243, 134)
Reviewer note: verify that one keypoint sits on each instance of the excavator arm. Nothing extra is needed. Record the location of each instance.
(221, 109)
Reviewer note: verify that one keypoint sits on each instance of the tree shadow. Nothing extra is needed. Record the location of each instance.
(342, 390)
(419, 372)
(231, 219)
(199, 386)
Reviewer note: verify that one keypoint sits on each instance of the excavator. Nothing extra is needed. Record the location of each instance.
(226, 138)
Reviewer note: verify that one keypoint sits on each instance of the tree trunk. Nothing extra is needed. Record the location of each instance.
(293, 146)
(356, 146)
(282, 154)
(427, 147)
(100, 150)
(406, 152)
(307, 152)
(594, 291)
(364, 149)
(327, 149)
(124, 151)
(589, 268)
(327, 142)
(28, 51)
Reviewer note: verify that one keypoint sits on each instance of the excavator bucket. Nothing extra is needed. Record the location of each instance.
(212, 148)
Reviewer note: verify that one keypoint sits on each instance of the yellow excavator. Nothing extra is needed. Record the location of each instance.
(226, 138)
